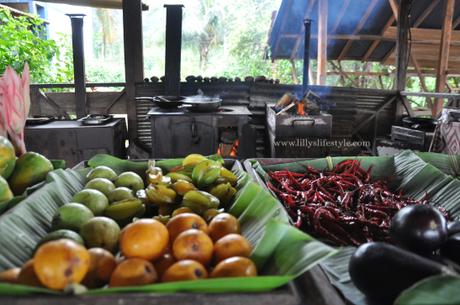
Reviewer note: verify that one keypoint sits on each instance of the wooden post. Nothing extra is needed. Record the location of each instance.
(443, 61)
(402, 45)
(134, 58)
(322, 42)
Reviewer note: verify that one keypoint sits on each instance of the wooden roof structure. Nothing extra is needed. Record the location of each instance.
(366, 30)
(111, 4)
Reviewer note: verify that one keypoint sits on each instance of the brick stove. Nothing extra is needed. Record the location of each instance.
(178, 132)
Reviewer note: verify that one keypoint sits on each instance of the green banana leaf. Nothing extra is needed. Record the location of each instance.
(281, 252)
(416, 175)
(448, 164)
(434, 290)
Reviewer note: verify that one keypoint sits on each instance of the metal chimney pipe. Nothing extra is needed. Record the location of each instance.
(173, 49)
(78, 63)
(306, 56)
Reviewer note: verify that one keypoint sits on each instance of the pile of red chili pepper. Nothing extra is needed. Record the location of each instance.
(342, 205)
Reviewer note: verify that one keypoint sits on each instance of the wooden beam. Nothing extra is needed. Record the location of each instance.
(283, 22)
(344, 74)
(425, 36)
(344, 37)
(430, 94)
(322, 42)
(395, 8)
(417, 22)
(377, 111)
(299, 38)
(426, 13)
(295, 78)
(358, 28)
(422, 79)
(295, 49)
(376, 43)
(309, 10)
(392, 19)
(456, 23)
(441, 75)
(402, 45)
(343, 11)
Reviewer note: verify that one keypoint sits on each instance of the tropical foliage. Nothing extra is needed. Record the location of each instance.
(23, 39)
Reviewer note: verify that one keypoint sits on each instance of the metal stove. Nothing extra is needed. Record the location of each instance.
(178, 132)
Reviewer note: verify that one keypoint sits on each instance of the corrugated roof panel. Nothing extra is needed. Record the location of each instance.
(292, 12)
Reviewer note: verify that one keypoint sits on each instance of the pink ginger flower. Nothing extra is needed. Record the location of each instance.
(14, 106)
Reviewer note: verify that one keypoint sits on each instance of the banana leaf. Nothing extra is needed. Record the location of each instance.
(416, 175)
(118, 165)
(434, 290)
(448, 164)
(281, 252)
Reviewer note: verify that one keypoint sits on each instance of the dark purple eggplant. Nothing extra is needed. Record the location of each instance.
(382, 271)
(451, 248)
(419, 228)
(453, 227)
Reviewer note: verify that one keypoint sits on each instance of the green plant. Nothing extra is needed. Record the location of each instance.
(21, 41)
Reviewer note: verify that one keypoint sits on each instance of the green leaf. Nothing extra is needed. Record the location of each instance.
(280, 251)
(21, 290)
(434, 290)
(118, 165)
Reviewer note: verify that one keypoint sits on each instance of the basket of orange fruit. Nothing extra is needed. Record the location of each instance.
(197, 224)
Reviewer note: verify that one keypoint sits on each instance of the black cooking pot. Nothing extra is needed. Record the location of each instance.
(420, 123)
(165, 102)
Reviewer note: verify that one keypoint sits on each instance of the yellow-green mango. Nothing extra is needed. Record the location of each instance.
(7, 158)
(31, 168)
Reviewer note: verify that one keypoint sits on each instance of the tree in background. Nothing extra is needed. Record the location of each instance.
(211, 34)
(21, 41)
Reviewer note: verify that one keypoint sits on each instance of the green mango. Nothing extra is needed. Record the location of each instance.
(31, 168)
(7, 158)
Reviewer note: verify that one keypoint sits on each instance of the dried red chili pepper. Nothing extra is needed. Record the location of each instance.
(342, 205)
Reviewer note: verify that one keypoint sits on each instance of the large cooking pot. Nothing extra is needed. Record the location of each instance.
(193, 104)
(202, 104)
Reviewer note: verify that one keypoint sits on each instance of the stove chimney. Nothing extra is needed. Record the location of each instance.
(78, 63)
(173, 49)
(306, 56)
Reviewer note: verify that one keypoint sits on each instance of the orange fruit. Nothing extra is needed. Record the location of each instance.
(61, 262)
(185, 270)
(10, 276)
(102, 263)
(27, 276)
(183, 222)
(235, 267)
(231, 245)
(193, 244)
(163, 263)
(223, 224)
(133, 272)
(145, 238)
